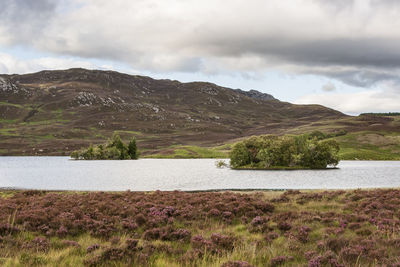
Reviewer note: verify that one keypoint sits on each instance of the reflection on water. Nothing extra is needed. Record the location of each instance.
(60, 173)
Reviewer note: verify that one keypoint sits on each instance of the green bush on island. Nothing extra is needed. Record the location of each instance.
(115, 149)
(308, 151)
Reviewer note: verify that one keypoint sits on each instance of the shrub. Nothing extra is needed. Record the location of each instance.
(284, 226)
(201, 244)
(6, 229)
(214, 213)
(62, 231)
(38, 244)
(223, 241)
(303, 233)
(140, 219)
(152, 234)
(70, 243)
(92, 248)
(112, 254)
(277, 261)
(236, 264)
(131, 243)
(181, 234)
(221, 164)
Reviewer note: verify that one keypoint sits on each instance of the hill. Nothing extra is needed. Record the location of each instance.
(55, 112)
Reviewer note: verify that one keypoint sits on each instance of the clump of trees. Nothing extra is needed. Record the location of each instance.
(270, 151)
(115, 149)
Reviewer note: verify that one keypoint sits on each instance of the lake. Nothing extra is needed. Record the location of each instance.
(61, 173)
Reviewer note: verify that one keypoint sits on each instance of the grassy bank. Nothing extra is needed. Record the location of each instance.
(187, 152)
(370, 145)
(269, 228)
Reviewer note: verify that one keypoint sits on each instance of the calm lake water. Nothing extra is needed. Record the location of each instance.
(61, 173)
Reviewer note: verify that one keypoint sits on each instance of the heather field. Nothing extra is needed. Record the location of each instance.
(269, 228)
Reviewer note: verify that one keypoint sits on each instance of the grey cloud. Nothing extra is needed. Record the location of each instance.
(25, 19)
(359, 77)
(356, 42)
(329, 87)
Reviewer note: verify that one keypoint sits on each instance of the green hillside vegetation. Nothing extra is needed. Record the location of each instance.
(187, 152)
(308, 151)
(369, 145)
(115, 149)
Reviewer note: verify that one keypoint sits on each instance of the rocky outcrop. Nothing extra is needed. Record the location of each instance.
(256, 94)
(7, 86)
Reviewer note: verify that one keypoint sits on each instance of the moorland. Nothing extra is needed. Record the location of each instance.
(229, 229)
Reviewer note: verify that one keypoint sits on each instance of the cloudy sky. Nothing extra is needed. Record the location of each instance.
(343, 54)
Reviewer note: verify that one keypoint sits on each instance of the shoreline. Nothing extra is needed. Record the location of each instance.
(232, 190)
(168, 158)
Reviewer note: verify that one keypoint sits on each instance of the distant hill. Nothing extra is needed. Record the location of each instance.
(55, 112)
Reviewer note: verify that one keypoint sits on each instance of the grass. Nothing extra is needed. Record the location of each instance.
(8, 132)
(7, 121)
(11, 105)
(179, 151)
(44, 122)
(370, 145)
(45, 137)
(265, 228)
(58, 113)
(135, 133)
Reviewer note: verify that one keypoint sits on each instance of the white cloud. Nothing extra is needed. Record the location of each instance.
(379, 100)
(11, 65)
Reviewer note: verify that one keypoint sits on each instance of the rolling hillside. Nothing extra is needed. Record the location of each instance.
(55, 112)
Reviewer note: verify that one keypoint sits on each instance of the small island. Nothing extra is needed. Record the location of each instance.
(114, 149)
(271, 152)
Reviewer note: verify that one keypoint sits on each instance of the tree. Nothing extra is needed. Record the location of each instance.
(99, 152)
(75, 154)
(132, 149)
(265, 157)
(116, 142)
(239, 155)
(320, 154)
(89, 153)
(112, 153)
(329, 151)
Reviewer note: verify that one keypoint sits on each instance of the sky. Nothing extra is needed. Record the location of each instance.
(344, 54)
